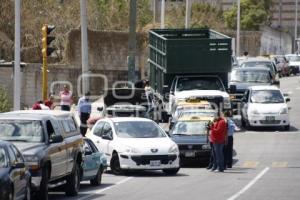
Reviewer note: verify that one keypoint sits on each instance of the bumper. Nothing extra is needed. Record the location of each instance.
(263, 120)
(195, 155)
(153, 162)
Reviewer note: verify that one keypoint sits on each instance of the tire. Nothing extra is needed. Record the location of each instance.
(98, 178)
(73, 181)
(243, 122)
(28, 191)
(171, 172)
(11, 194)
(115, 164)
(287, 127)
(43, 192)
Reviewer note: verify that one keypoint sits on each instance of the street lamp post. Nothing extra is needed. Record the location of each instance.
(238, 28)
(296, 26)
(162, 14)
(17, 73)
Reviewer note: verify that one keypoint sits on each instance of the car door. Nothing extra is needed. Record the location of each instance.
(14, 173)
(107, 137)
(245, 104)
(91, 160)
(96, 135)
(21, 181)
(57, 152)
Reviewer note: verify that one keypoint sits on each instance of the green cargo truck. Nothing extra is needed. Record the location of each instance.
(190, 63)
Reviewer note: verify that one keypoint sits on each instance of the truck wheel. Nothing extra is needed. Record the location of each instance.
(98, 178)
(11, 193)
(43, 192)
(115, 164)
(287, 127)
(171, 172)
(28, 191)
(73, 182)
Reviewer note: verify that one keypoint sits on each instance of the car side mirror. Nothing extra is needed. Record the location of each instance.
(275, 82)
(100, 109)
(19, 165)
(107, 136)
(232, 89)
(87, 151)
(56, 139)
(287, 99)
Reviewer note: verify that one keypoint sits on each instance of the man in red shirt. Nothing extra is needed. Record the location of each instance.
(218, 138)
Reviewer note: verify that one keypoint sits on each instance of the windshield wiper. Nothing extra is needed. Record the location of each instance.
(180, 134)
(16, 140)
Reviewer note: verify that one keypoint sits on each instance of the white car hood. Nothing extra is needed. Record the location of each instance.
(145, 145)
(265, 108)
(199, 93)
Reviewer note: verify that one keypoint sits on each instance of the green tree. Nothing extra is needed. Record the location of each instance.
(253, 14)
(4, 101)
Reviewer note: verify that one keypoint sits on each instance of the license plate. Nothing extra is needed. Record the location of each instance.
(270, 118)
(155, 163)
(190, 154)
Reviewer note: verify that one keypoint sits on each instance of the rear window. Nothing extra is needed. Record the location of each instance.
(68, 125)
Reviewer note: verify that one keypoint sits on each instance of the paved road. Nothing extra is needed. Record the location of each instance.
(267, 167)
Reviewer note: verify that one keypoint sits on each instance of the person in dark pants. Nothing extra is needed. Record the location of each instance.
(228, 149)
(84, 109)
(219, 139)
(212, 153)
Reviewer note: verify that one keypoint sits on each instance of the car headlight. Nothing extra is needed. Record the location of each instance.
(174, 149)
(283, 111)
(227, 103)
(132, 150)
(254, 112)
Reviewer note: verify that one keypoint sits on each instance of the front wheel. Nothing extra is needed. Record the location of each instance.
(43, 192)
(171, 171)
(115, 165)
(73, 182)
(287, 127)
(98, 178)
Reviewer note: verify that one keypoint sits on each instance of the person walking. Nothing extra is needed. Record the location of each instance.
(219, 138)
(84, 109)
(65, 98)
(228, 149)
(212, 153)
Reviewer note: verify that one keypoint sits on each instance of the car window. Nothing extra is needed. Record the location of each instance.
(98, 129)
(87, 147)
(12, 156)
(69, 125)
(3, 158)
(21, 130)
(92, 146)
(106, 129)
(190, 128)
(18, 155)
(266, 96)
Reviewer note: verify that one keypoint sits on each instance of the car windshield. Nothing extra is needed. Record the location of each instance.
(23, 130)
(189, 128)
(199, 83)
(138, 129)
(3, 158)
(195, 112)
(251, 76)
(293, 58)
(258, 64)
(266, 96)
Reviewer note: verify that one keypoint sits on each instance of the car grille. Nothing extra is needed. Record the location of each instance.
(183, 147)
(269, 122)
(145, 160)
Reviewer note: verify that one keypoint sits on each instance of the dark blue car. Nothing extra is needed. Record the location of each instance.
(15, 179)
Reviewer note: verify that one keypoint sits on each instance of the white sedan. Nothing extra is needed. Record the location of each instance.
(265, 106)
(135, 143)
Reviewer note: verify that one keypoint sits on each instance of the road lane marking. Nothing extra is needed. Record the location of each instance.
(250, 164)
(279, 164)
(105, 189)
(251, 183)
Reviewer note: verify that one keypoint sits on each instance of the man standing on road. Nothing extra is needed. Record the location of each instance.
(84, 109)
(228, 149)
(219, 138)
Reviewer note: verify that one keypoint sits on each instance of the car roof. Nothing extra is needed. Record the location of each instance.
(264, 87)
(257, 59)
(34, 114)
(252, 69)
(127, 119)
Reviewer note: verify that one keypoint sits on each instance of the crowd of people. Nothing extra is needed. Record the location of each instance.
(65, 102)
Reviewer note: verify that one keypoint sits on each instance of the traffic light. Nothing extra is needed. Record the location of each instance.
(46, 51)
(46, 40)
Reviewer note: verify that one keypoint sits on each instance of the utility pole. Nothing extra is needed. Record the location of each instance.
(132, 41)
(162, 14)
(296, 26)
(280, 26)
(188, 6)
(84, 47)
(17, 73)
(238, 28)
